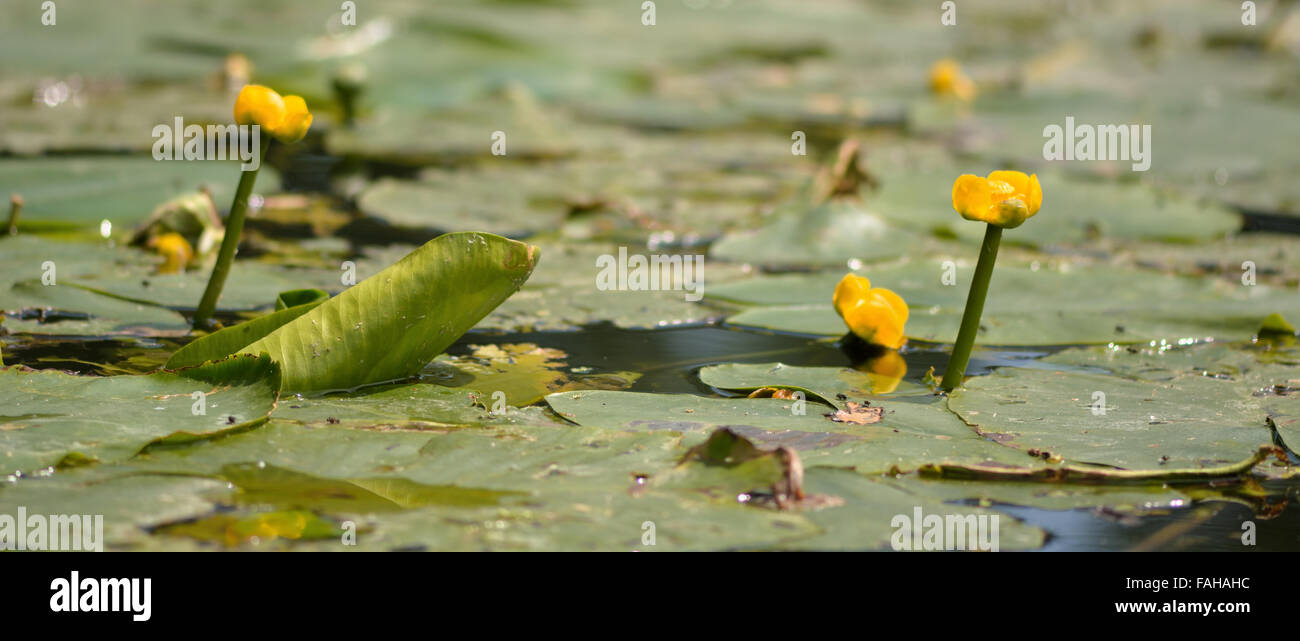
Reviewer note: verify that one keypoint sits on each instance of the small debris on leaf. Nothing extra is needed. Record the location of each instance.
(858, 414)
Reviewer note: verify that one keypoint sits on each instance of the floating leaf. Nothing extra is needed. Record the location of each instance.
(51, 415)
(1104, 420)
(85, 190)
(69, 310)
(832, 385)
(876, 516)
(830, 234)
(913, 431)
(420, 405)
(434, 207)
(1035, 304)
(564, 293)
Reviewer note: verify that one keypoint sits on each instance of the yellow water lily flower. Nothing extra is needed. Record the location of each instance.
(1005, 198)
(258, 105)
(876, 315)
(947, 79)
(286, 118)
(297, 120)
(175, 250)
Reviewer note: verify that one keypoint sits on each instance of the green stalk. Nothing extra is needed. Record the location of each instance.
(970, 319)
(15, 208)
(226, 256)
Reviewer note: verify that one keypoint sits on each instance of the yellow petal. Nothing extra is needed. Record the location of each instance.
(1016, 179)
(861, 320)
(1024, 188)
(895, 302)
(258, 105)
(175, 250)
(850, 292)
(877, 316)
(971, 196)
(296, 122)
(887, 324)
(1033, 195)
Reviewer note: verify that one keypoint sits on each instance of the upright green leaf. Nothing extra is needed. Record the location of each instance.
(393, 323)
(231, 339)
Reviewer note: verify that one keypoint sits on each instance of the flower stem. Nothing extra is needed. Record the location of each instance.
(226, 256)
(970, 319)
(15, 208)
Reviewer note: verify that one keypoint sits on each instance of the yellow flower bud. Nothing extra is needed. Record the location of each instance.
(947, 79)
(287, 118)
(175, 250)
(258, 105)
(876, 315)
(1005, 198)
(297, 120)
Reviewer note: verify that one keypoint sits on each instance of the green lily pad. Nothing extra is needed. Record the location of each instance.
(53, 418)
(69, 310)
(78, 115)
(130, 505)
(1048, 496)
(832, 385)
(427, 138)
(252, 285)
(867, 520)
(567, 472)
(833, 233)
(1034, 304)
(1104, 420)
(1275, 258)
(456, 204)
(912, 431)
(563, 293)
(124, 190)
(24, 257)
(418, 406)
(1263, 373)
